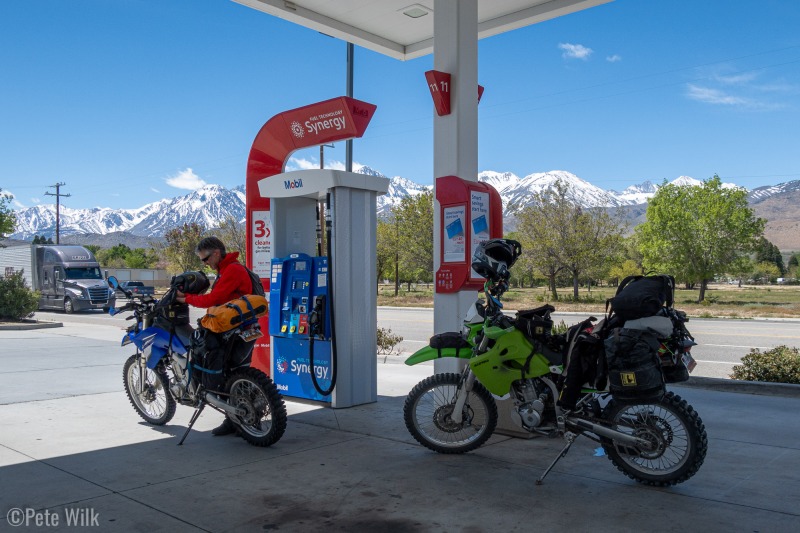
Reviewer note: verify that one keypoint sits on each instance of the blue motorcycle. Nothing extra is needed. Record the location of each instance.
(167, 369)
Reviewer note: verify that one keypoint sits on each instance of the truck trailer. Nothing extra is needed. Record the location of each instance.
(68, 277)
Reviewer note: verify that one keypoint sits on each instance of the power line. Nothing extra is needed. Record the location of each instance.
(58, 196)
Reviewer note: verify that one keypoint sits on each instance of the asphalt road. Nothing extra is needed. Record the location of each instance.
(721, 342)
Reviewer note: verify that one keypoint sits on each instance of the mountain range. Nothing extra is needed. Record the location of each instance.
(211, 204)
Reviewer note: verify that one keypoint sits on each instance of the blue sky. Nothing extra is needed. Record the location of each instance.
(131, 101)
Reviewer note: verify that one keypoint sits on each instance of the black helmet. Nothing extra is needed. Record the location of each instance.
(192, 282)
(494, 257)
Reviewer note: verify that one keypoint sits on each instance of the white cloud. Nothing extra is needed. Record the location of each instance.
(36, 200)
(11, 199)
(713, 96)
(155, 190)
(186, 179)
(614, 58)
(575, 51)
(736, 79)
(296, 163)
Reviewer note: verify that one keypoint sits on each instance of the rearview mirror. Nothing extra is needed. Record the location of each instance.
(112, 282)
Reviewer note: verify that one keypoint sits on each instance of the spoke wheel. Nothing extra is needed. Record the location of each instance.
(675, 435)
(264, 413)
(428, 413)
(146, 390)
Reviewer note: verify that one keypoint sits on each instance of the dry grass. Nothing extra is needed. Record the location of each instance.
(728, 301)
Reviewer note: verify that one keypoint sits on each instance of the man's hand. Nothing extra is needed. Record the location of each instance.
(180, 297)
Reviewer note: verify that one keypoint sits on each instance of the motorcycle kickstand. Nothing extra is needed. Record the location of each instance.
(570, 437)
(194, 418)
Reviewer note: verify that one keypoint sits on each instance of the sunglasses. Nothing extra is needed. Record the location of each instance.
(205, 259)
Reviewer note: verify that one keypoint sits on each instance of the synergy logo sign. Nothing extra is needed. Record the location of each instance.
(282, 365)
(297, 129)
(319, 124)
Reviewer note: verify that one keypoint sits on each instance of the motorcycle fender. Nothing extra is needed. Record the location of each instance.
(429, 354)
(156, 354)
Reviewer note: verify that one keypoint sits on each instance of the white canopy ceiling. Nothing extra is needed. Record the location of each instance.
(403, 29)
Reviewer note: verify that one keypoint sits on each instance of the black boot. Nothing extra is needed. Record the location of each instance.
(226, 428)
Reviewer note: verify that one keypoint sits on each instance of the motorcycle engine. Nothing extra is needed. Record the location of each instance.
(530, 404)
(178, 388)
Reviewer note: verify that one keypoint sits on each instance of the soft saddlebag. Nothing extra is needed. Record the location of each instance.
(535, 324)
(451, 339)
(642, 296)
(634, 369)
(208, 359)
(242, 311)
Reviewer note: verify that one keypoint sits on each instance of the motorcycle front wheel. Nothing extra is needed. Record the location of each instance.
(428, 409)
(677, 437)
(147, 392)
(264, 418)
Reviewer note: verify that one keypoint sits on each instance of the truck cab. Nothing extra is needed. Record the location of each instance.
(69, 278)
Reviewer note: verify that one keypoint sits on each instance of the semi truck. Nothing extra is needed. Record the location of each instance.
(67, 277)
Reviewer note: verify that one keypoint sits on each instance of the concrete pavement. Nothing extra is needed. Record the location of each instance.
(72, 447)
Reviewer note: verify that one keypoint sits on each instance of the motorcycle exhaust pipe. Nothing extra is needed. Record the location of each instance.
(214, 400)
(603, 431)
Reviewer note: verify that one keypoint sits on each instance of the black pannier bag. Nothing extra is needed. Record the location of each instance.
(451, 339)
(171, 314)
(535, 324)
(584, 363)
(634, 369)
(642, 296)
(208, 359)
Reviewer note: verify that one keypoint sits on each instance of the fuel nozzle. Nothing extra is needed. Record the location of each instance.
(316, 318)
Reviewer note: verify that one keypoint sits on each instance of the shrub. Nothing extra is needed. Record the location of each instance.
(387, 341)
(778, 365)
(16, 300)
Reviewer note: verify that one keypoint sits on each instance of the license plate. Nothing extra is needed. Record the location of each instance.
(689, 361)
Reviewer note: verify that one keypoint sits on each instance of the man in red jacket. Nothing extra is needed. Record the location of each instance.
(233, 281)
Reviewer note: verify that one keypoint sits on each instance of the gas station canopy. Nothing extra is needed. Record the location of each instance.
(403, 29)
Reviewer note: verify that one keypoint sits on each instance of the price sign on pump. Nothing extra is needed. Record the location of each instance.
(261, 243)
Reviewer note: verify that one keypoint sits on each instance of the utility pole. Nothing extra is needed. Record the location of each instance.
(58, 196)
(322, 154)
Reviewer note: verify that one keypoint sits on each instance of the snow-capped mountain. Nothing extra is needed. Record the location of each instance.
(399, 188)
(212, 204)
(209, 206)
(762, 193)
(637, 194)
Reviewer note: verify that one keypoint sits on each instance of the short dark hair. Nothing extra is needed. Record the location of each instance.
(211, 243)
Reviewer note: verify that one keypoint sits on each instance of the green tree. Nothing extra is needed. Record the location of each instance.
(180, 247)
(233, 234)
(559, 235)
(16, 300)
(414, 218)
(94, 248)
(42, 240)
(766, 252)
(7, 218)
(141, 258)
(695, 233)
(766, 272)
(792, 265)
(387, 255)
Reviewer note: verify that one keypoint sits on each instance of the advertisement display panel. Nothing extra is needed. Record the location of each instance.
(470, 213)
(261, 243)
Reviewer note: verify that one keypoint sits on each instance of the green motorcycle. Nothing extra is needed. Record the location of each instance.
(657, 441)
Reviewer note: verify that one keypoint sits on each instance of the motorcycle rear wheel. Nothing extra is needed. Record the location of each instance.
(428, 409)
(676, 432)
(265, 416)
(154, 404)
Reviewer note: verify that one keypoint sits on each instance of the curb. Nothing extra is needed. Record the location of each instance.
(760, 388)
(29, 325)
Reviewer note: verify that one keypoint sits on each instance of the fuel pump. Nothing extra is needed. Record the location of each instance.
(323, 309)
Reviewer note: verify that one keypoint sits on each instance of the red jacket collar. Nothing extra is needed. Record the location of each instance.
(230, 257)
